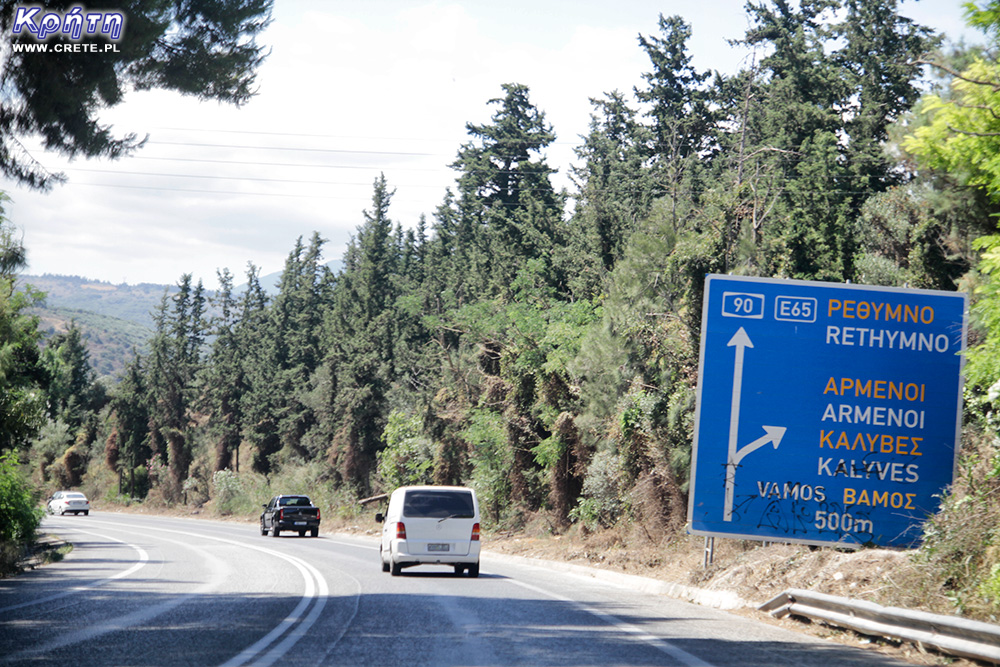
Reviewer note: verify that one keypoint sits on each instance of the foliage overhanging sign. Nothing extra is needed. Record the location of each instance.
(827, 413)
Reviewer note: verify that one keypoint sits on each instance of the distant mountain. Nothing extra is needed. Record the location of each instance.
(115, 320)
(134, 303)
(272, 281)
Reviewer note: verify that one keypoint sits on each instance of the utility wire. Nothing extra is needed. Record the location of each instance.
(783, 159)
(231, 178)
(367, 197)
(278, 164)
(299, 134)
(217, 192)
(327, 136)
(283, 148)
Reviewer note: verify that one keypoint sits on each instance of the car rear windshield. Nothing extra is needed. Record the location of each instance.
(295, 501)
(439, 505)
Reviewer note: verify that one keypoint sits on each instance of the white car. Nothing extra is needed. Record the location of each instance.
(62, 502)
(431, 525)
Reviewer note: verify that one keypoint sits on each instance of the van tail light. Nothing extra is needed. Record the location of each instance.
(475, 532)
(400, 531)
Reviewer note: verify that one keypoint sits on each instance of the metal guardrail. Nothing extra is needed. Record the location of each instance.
(957, 636)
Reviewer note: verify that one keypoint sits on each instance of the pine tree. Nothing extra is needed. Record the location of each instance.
(71, 391)
(224, 382)
(881, 63)
(175, 355)
(22, 379)
(795, 127)
(361, 332)
(679, 110)
(616, 187)
(255, 342)
(130, 410)
(296, 319)
(505, 193)
(814, 125)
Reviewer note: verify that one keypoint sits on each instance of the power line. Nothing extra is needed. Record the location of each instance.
(214, 192)
(278, 164)
(305, 135)
(230, 178)
(338, 151)
(299, 134)
(784, 159)
(581, 195)
(282, 148)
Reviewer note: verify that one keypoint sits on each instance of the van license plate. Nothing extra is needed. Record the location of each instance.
(438, 547)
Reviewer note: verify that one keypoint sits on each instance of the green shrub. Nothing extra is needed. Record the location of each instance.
(491, 463)
(989, 590)
(228, 490)
(408, 458)
(240, 493)
(20, 515)
(113, 497)
(601, 504)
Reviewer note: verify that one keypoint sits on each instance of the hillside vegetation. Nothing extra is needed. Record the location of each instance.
(115, 321)
(547, 353)
(110, 342)
(131, 303)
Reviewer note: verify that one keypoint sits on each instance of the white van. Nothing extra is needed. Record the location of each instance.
(431, 525)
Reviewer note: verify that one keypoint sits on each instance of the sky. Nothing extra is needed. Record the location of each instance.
(351, 89)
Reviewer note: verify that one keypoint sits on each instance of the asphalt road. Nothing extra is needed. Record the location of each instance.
(139, 590)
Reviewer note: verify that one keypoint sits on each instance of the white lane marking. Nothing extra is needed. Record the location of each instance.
(218, 571)
(279, 651)
(316, 590)
(143, 559)
(666, 647)
(313, 580)
(348, 622)
(356, 545)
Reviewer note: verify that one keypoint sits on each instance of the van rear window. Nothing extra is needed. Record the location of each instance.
(438, 505)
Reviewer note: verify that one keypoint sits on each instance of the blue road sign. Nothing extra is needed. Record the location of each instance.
(827, 413)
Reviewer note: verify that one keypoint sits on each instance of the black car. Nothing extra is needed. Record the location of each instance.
(296, 513)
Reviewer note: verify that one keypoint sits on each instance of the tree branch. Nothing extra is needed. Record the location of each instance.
(973, 134)
(958, 75)
(980, 107)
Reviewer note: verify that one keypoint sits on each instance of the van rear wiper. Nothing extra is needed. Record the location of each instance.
(455, 516)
